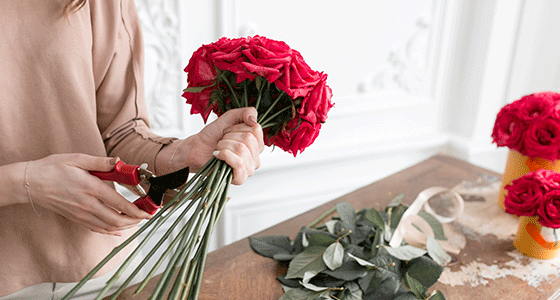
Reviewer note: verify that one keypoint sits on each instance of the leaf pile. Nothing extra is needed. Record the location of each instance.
(348, 258)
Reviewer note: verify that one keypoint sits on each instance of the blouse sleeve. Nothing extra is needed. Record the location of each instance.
(118, 74)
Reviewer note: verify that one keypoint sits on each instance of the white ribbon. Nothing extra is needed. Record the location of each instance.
(419, 235)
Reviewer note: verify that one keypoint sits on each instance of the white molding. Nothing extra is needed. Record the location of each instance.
(499, 63)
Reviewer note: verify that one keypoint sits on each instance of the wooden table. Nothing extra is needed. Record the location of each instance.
(488, 268)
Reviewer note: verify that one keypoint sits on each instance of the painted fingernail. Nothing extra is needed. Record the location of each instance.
(215, 153)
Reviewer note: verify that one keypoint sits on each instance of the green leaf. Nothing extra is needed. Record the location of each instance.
(272, 245)
(377, 242)
(425, 270)
(196, 89)
(302, 294)
(311, 259)
(437, 295)
(305, 282)
(363, 262)
(385, 290)
(436, 252)
(350, 270)
(405, 252)
(333, 255)
(396, 201)
(415, 286)
(346, 212)
(396, 215)
(319, 239)
(352, 291)
(375, 218)
(435, 224)
(293, 283)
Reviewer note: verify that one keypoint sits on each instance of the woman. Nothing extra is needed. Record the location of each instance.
(71, 101)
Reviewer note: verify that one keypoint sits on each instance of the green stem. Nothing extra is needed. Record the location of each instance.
(234, 95)
(245, 97)
(263, 116)
(265, 123)
(164, 281)
(321, 217)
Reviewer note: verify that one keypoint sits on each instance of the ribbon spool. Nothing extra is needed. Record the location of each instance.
(410, 219)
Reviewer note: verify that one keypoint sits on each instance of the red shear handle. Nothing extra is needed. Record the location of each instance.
(147, 204)
(122, 173)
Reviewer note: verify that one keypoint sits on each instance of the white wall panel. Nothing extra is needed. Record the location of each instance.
(410, 79)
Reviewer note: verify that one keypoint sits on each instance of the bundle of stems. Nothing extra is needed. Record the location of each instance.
(202, 200)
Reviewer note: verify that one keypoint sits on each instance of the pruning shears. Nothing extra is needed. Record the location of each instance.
(140, 179)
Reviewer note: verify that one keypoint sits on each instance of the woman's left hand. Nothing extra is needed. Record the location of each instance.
(235, 137)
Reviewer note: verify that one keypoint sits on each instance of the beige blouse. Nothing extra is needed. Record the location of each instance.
(68, 84)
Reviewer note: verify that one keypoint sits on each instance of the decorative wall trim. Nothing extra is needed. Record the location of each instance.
(161, 30)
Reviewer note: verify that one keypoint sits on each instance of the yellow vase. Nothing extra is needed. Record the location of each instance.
(534, 240)
(518, 165)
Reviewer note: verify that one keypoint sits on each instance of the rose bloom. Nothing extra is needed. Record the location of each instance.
(508, 128)
(535, 107)
(549, 179)
(549, 210)
(524, 195)
(314, 108)
(542, 139)
(298, 135)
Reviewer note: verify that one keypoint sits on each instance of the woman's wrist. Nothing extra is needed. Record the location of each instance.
(173, 156)
(13, 184)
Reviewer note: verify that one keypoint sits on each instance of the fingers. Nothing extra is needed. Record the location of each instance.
(240, 148)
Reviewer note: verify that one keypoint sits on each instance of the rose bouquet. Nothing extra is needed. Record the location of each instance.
(530, 128)
(536, 198)
(292, 102)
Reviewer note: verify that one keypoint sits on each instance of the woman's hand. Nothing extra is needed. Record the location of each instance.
(235, 137)
(62, 183)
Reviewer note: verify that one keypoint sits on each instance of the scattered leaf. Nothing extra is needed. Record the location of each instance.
(436, 252)
(435, 224)
(425, 270)
(415, 286)
(437, 295)
(350, 270)
(405, 252)
(334, 255)
(302, 294)
(375, 218)
(269, 246)
(311, 259)
(352, 291)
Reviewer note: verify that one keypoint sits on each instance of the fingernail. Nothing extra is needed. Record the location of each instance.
(117, 233)
(113, 161)
(253, 120)
(215, 153)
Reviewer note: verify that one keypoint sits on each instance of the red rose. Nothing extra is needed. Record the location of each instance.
(549, 179)
(267, 58)
(229, 57)
(316, 104)
(524, 195)
(535, 107)
(542, 139)
(298, 135)
(508, 129)
(549, 210)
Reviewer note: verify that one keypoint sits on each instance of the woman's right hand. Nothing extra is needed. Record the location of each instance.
(62, 183)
